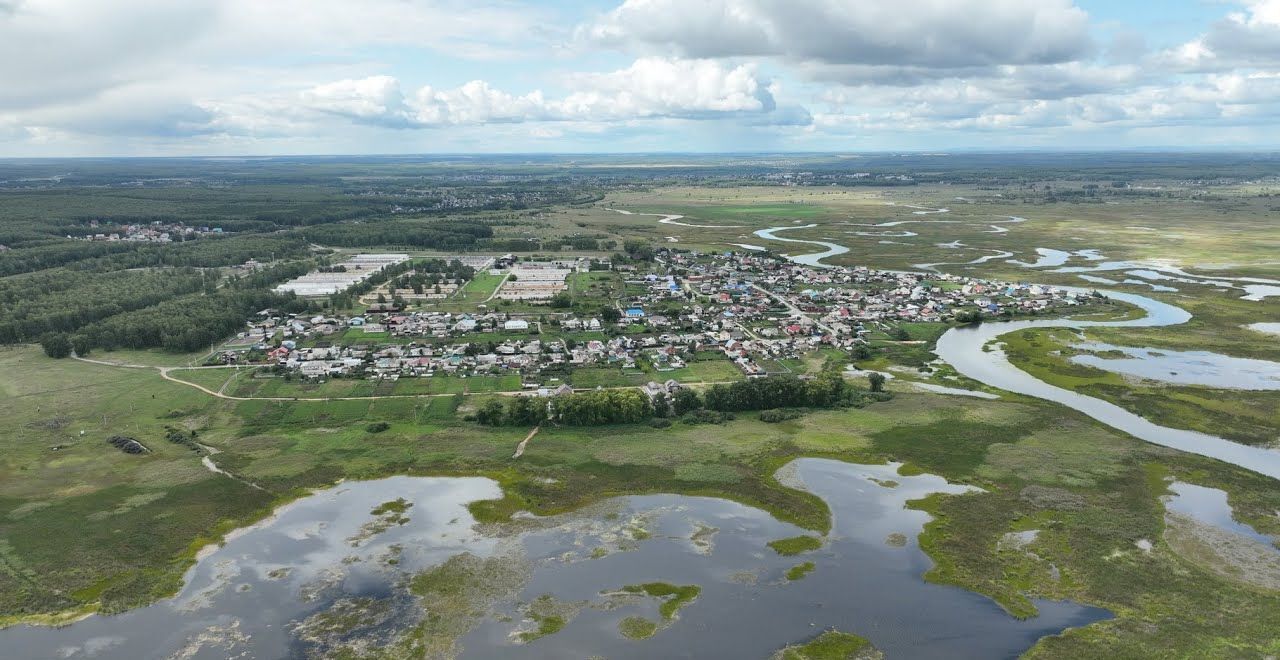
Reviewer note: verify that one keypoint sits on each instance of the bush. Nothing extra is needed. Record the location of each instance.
(377, 427)
(778, 415)
(56, 345)
(704, 416)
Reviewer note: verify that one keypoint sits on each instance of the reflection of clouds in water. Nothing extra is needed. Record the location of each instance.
(1211, 506)
(743, 593)
(91, 647)
(1182, 367)
(1257, 292)
(963, 349)
(1255, 288)
(1266, 328)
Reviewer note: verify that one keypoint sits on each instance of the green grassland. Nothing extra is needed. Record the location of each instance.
(1231, 233)
(831, 645)
(129, 524)
(85, 527)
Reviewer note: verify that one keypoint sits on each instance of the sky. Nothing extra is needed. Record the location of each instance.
(270, 77)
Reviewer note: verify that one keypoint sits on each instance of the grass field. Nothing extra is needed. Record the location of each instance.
(86, 527)
(170, 502)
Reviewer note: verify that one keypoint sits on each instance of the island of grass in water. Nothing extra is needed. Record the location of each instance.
(433, 583)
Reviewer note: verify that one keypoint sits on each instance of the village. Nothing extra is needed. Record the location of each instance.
(752, 310)
(151, 232)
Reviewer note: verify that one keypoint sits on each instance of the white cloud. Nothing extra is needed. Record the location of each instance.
(651, 87)
(927, 34)
(61, 51)
(1249, 38)
(236, 74)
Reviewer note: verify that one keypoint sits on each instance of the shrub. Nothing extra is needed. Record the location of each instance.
(778, 415)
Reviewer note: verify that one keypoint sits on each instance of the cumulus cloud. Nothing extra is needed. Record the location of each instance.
(907, 34)
(651, 87)
(731, 73)
(1248, 38)
(58, 51)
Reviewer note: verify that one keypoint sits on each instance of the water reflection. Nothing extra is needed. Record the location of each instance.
(328, 551)
(965, 350)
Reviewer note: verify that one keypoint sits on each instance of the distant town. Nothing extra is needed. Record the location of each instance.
(752, 309)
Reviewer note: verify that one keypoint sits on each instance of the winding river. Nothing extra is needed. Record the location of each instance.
(815, 259)
(962, 348)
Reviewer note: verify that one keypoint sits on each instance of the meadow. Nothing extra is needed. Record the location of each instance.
(88, 527)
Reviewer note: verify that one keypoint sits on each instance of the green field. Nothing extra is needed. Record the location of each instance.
(1004, 447)
(86, 527)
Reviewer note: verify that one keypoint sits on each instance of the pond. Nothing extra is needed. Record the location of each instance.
(327, 574)
(1210, 506)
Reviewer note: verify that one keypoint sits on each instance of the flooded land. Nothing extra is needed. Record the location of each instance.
(400, 563)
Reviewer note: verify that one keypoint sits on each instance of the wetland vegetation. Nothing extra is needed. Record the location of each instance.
(86, 527)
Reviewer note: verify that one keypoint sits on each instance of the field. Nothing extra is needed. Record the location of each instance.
(285, 447)
(87, 527)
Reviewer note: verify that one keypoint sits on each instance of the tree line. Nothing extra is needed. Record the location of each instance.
(631, 406)
(102, 256)
(444, 235)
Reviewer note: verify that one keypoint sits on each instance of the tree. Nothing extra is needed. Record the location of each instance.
(685, 400)
(81, 345)
(877, 381)
(610, 314)
(490, 413)
(56, 345)
(638, 250)
(661, 404)
(900, 333)
(526, 411)
(561, 300)
(862, 352)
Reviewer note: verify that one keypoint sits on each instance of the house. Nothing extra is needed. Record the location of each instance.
(515, 325)
(314, 368)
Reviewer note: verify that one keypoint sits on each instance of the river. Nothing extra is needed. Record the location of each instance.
(962, 348)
